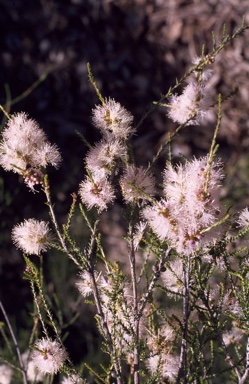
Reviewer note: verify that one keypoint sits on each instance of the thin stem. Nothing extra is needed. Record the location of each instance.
(31, 88)
(5, 112)
(183, 354)
(245, 375)
(100, 312)
(92, 80)
(155, 277)
(105, 327)
(229, 358)
(15, 343)
(49, 314)
(38, 309)
(49, 203)
(132, 261)
(213, 147)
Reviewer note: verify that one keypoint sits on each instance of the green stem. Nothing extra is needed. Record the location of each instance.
(15, 343)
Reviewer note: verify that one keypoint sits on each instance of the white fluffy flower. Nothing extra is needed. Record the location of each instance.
(25, 145)
(48, 356)
(32, 236)
(33, 374)
(191, 206)
(243, 220)
(96, 192)
(191, 106)
(100, 160)
(162, 360)
(136, 184)
(234, 336)
(74, 379)
(5, 374)
(113, 118)
(167, 366)
(84, 284)
(173, 277)
(161, 221)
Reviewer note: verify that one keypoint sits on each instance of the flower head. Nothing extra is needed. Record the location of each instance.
(162, 360)
(5, 374)
(233, 336)
(25, 145)
(74, 379)
(48, 356)
(113, 118)
(101, 159)
(243, 220)
(84, 284)
(33, 374)
(191, 106)
(173, 277)
(96, 191)
(191, 206)
(167, 365)
(32, 236)
(161, 220)
(136, 184)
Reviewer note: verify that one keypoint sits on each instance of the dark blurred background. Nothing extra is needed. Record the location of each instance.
(137, 48)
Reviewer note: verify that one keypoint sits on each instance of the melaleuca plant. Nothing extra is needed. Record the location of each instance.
(178, 311)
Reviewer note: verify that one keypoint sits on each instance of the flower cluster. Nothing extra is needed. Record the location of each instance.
(114, 121)
(48, 356)
(32, 236)
(24, 149)
(191, 106)
(190, 206)
(162, 359)
(96, 192)
(101, 159)
(137, 184)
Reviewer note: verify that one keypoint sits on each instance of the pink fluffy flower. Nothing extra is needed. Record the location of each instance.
(161, 221)
(74, 379)
(136, 184)
(32, 236)
(191, 106)
(191, 206)
(113, 118)
(24, 145)
(101, 159)
(6, 374)
(173, 277)
(96, 192)
(243, 220)
(161, 359)
(84, 284)
(48, 356)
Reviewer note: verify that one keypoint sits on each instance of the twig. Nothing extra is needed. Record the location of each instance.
(15, 343)
(183, 354)
(132, 261)
(49, 203)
